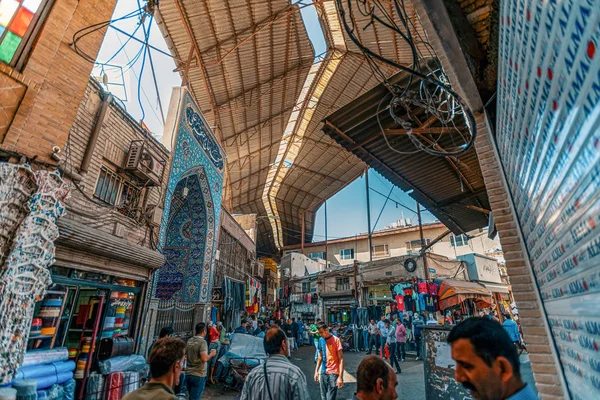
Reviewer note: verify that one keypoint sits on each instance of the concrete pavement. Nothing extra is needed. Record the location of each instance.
(410, 382)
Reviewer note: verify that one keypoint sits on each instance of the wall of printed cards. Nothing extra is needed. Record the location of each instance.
(548, 136)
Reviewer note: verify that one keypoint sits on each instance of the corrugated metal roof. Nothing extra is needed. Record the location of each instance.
(444, 185)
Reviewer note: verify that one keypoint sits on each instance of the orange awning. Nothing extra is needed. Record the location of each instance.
(453, 292)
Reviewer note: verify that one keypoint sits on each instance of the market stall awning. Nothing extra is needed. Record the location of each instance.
(495, 287)
(454, 292)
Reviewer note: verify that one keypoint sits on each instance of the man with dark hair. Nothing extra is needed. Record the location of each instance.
(373, 337)
(166, 363)
(487, 363)
(375, 380)
(294, 325)
(259, 325)
(165, 332)
(330, 364)
(287, 329)
(277, 378)
(243, 328)
(198, 356)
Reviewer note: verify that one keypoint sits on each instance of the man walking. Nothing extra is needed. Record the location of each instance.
(289, 333)
(373, 337)
(400, 340)
(487, 363)
(166, 363)
(330, 364)
(391, 341)
(512, 329)
(375, 380)
(277, 378)
(198, 357)
(417, 326)
(294, 332)
(383, 336)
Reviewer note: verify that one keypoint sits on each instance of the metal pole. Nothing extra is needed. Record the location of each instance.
(368, 213)
(422, 241)
(326, 234)
(303, 232)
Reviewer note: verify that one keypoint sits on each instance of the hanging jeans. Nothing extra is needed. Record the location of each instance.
(401, 350)
(365, 336)
(394, 356)
(353, 316)
(356, 333)
(363, 316)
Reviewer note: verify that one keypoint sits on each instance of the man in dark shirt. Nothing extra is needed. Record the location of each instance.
(294, 332)
(287, 328)
(243, 328)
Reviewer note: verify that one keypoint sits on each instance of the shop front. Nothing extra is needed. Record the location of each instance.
(337, 306)
(460, 299)
(91, 316)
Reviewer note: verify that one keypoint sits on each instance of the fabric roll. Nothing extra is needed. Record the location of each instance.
(33, 357)
(69, 389)
(95, 387)
(47, 381)
(36, 371)
(113, 386)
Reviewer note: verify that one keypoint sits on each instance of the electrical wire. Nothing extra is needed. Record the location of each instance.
(443, 102)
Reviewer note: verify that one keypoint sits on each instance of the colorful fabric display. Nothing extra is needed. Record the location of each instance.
(131, 382)
(113, 386)
(95, 387)
(36, 371)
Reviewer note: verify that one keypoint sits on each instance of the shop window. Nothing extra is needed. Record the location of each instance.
(347, 254)
(20, 22)
(342, 284)
(319, 254)
(416, 244)
(380, 250)
(460, 240)
(305, 287)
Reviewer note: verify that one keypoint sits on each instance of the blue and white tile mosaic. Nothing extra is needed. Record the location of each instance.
(192, 210)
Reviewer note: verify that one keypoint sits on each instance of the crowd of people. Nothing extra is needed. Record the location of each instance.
(487, 363)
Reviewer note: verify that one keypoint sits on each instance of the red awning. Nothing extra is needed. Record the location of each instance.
(453, 292)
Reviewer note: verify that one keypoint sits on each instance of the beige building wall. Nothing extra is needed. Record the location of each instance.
(396, 241)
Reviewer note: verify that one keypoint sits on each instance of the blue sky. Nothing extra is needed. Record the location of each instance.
(346, 211)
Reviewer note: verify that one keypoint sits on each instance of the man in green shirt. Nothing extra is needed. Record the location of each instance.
(166, 363)
(315, 334)
(197, 359)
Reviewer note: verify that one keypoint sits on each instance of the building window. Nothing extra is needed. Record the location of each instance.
(114, 190)
(347, 254)
(416, 244)
(130, 199)
(108, 186)
(319, 254)
(342, 284)
(460, 240)
(20, 21)
(305, 287)
(380, 250)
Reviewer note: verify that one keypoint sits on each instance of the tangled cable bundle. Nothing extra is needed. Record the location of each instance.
(434, 94)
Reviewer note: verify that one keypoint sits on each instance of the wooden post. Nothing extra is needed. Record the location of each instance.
(423, 253)
(355, 284)
(326, 255)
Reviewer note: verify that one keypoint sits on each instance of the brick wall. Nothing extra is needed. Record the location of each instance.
(56, 78)
(536, 332)
(117, 131)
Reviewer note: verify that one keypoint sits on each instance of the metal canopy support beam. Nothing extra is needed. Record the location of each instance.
(437, 239)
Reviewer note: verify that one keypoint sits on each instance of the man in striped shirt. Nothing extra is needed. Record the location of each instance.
(277, 378)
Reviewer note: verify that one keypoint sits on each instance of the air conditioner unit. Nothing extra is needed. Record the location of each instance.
(154, 215)
(144, 164)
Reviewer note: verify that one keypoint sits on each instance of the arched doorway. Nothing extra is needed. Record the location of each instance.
(185, 241)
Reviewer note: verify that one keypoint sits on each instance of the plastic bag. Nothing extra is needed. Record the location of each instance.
(133, 363)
